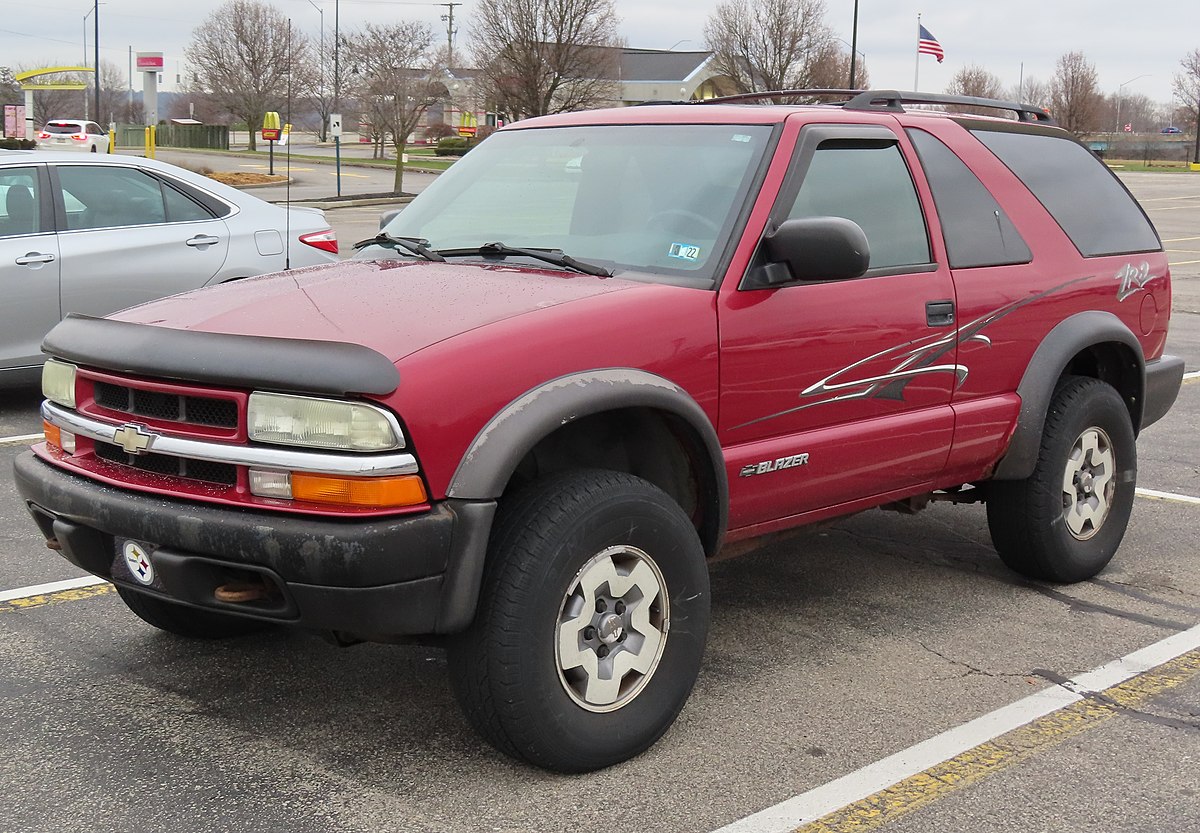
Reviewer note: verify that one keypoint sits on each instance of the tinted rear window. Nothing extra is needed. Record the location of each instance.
(63, 127)
(977, 231)
(1084, 197)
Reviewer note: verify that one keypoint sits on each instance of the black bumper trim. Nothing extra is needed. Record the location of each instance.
(1163, 378)
(414, 574)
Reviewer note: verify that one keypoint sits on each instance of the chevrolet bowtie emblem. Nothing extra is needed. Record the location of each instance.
(133, 439)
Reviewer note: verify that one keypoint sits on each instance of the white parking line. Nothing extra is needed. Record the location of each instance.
(818, 802)
(1157, 495)
(1195, 374)
(21, 439)
(52, 587)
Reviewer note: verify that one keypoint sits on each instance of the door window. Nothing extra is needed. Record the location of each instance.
(869, 183)
(20, 202)
(110, 196)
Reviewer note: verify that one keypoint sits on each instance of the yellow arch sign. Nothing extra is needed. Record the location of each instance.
(23, 77)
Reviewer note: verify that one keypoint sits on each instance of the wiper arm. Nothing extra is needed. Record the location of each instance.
(413, 245)
(555, 257)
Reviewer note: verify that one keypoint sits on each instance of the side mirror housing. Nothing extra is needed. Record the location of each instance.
(387, 216)
(815, 249)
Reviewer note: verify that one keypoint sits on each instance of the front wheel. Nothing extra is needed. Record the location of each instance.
(591, 623)
(1065, 521)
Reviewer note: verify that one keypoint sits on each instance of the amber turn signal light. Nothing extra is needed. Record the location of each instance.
(407, 490)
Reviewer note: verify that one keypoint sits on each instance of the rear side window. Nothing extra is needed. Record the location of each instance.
(1082, 195)
(977, 231)
(869, 183)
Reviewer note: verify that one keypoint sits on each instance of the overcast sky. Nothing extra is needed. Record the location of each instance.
(1123, 40)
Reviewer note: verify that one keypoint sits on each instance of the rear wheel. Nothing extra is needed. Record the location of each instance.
(1065, 521)
(591, 623)
(186, 621)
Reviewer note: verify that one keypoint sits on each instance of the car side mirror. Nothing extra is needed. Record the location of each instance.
(387, 216)
(815, 249)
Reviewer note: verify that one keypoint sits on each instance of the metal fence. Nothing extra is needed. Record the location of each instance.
(207, 136)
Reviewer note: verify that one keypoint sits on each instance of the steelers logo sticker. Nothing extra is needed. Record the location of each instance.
(138, 562)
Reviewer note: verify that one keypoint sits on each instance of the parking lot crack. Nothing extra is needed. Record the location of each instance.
(971, 670)
(1134, 713)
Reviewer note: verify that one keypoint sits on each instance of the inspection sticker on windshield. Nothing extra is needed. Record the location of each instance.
(684, 251)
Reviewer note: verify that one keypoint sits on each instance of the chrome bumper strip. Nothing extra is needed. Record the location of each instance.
(283, 459)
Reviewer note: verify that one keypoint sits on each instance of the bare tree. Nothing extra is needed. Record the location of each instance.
(242, 55)
(1186, 86)
(395, 77)
(769, 44)
(1075, 94)
(546, 56)
(10, 90)
(978, 82)
(1032, 91)
(831, 70)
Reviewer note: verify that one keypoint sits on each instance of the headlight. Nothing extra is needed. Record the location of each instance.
(321, 423)
(58, 382)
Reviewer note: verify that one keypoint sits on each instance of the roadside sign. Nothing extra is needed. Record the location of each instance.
(335, 124)
(271, 134)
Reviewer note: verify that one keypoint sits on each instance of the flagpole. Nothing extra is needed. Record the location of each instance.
(917, 71)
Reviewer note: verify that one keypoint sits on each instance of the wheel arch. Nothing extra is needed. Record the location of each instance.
(654, 429)
(1094, 344)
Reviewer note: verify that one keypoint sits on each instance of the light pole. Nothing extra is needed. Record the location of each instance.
(321, 12)
(1119, 88)
(671, 48)
(94, 10)
(337, 77)
(857, 52)
(854, 47)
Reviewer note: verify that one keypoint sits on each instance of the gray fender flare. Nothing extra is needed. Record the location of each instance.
(501, 444)
(1061, 344)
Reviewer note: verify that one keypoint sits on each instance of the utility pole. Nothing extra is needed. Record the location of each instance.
(450, 30)
(854, 48)
(96, 19)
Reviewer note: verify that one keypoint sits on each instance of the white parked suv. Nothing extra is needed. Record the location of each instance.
(73, 134)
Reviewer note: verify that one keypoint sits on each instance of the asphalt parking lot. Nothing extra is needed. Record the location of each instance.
(838, 661)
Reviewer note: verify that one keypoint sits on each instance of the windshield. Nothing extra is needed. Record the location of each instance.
(658, 199)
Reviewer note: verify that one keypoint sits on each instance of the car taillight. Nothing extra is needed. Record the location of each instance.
(43, 135)
(80, 137)
(324, 240)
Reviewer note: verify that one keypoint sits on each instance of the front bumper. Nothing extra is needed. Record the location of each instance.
(382, 577)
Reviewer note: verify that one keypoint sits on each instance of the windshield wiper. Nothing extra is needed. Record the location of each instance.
(413, 245)
(555, 257)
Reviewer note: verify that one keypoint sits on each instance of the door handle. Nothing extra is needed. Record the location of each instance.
(203, 240)
(939, 313)
(34, 257)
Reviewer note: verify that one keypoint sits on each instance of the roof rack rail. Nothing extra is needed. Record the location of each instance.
(892, 101)
(758, 96)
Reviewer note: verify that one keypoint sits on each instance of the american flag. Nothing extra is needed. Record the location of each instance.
(927, 45)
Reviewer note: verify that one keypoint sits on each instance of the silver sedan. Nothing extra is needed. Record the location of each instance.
(96, 234)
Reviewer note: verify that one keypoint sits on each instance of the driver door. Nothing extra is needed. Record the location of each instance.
(834, 392)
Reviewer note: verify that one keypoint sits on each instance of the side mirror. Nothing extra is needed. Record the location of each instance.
(815, 249)
(387, 216)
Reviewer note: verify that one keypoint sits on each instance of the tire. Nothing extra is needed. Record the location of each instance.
(530, 672)
(1065, 521)
(185, 621)
(94, 149)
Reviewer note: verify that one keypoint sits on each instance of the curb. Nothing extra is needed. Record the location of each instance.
(327, 204)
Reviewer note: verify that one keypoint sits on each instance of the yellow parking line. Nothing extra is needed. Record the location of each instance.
(347, 173)
(76, 594)
(1180, 239)
(989, 758)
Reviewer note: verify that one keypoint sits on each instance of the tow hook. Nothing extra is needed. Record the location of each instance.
(242, 592)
